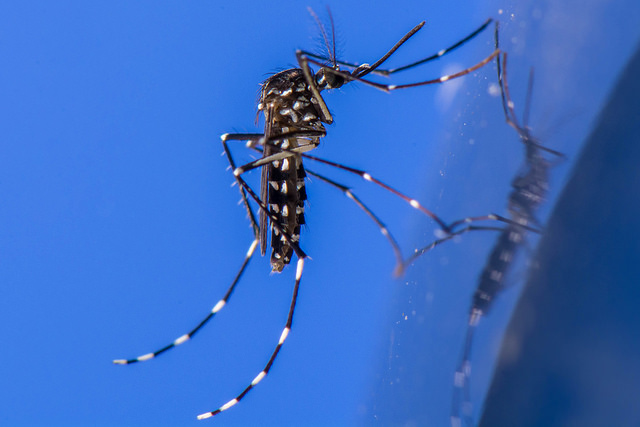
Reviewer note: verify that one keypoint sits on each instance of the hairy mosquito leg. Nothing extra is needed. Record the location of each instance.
(216, 308)
(383, 228)
(265, 370)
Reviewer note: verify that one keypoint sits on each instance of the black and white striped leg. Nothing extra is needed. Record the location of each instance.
(258, 139)
(304, 61)
(461, 406)
(438, 54)
(450, 230)
(383, 228)
(255, 140)
(294, 245)
(265, 370)
(368, 177)
(386, 72)
(216, 308)
(238, 171)
(362, 174)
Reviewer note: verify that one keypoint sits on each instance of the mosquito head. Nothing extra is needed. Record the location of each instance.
(327, 78)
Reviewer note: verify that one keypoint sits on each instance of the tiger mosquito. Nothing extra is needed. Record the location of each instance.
(295, 114)
(529, 189)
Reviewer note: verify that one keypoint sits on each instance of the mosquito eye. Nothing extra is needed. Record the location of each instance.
(335, 80)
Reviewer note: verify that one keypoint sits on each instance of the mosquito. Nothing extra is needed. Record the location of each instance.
(295, 115)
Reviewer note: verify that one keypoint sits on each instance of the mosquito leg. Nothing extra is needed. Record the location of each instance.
(419, 252)
(439, 54)
(216, 308)
(453, 232)
(224, 138)
(510, 114)
(439, 79)
(388, 88)
(383, 228)
(347, 191)
(265, 370)
(363, 71)
(367, 177)
(493, 217)
(461, 407)
(261, 140)
(449, 229)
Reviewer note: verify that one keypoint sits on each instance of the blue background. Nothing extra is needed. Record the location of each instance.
(119, 229)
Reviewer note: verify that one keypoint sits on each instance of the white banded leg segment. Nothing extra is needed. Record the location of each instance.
(258, 378)
(182, 339)
(142, 358)
(367, 177)
(439, 79)
(274, 354)
(219, 305)
(283, 336)
(299, 268)
(224, 407)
